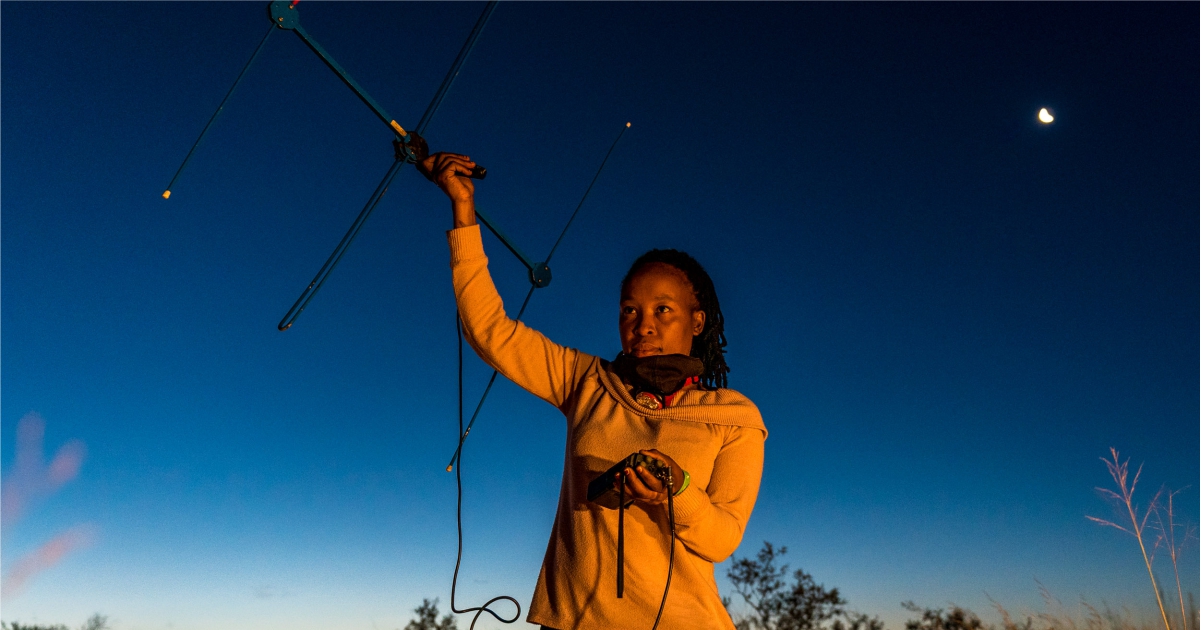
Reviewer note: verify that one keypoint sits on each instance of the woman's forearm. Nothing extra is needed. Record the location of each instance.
(711, 521)
(464, 212)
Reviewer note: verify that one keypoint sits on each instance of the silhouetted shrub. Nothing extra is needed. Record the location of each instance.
(802, 604)
(427, 618)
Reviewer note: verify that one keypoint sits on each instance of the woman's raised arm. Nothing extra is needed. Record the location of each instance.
(522, 354)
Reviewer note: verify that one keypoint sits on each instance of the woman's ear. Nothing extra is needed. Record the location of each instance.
(698, 322)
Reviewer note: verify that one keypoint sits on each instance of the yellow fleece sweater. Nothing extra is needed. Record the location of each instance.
(717, 436)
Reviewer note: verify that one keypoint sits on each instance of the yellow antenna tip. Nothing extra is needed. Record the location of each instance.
(450, 468)
(167, 194)
(627, 125)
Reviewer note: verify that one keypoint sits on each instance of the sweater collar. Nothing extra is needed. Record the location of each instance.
(722, 406)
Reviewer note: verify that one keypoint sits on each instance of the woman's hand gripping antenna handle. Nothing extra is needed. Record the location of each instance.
(417, 150)
(452, 173)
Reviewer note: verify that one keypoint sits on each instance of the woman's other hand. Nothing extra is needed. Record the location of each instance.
(645, 487)
(451, 172)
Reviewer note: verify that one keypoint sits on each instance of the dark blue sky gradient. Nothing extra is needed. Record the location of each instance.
(946, 311)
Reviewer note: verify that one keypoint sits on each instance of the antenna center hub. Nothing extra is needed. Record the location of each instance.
(540, 275)
(283, 14)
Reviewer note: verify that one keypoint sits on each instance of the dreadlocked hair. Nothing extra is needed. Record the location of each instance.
(709, 346)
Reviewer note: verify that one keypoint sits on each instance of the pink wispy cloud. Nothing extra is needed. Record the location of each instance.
(49, 554)
(29, 480)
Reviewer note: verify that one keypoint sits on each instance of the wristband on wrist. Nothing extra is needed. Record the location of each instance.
(683, 486)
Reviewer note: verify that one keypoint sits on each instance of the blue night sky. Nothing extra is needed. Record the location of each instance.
(946, 311)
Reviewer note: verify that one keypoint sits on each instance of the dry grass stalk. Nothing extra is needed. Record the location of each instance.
(1055, 616)
(1007, 622)
(1119, 470)
(1167, 537)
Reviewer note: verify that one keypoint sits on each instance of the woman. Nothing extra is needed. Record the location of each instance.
(664, 397)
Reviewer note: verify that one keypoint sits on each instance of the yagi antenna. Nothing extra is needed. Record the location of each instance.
(410, 146)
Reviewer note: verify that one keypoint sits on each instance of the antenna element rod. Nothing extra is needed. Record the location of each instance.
(167, 193)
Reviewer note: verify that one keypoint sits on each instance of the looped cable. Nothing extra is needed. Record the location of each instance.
(486, 608)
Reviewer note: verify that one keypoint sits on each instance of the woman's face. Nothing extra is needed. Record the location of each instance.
(659, 313)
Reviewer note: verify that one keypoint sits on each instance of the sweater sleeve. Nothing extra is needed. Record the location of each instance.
(710, 521)
(520, 353)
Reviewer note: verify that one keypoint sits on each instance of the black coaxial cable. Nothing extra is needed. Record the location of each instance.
(454, 582)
